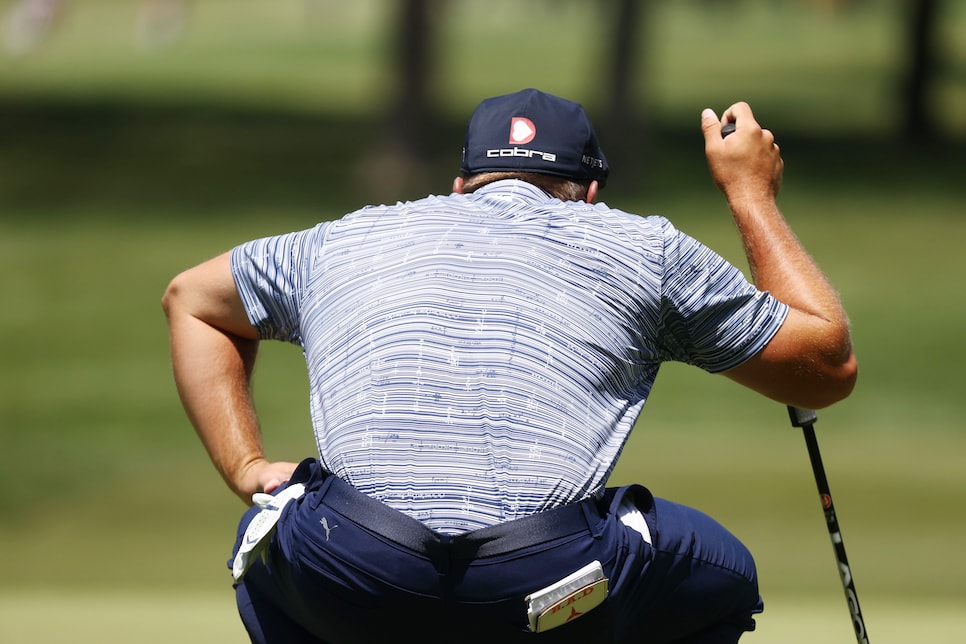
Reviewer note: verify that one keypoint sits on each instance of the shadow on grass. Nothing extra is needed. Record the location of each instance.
(90, 157)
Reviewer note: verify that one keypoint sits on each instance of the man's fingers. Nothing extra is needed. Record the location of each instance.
(276, 474)
(710, 124)
(739, 111)
(272, 485)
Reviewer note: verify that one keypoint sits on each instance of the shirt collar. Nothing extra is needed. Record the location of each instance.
(514, 190)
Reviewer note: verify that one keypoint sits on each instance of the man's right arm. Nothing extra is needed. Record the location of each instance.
(809, 362)
(213, 351)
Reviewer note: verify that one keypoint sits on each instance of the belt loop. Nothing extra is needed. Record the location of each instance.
(593, 516)
(315, 478)
(318, 490)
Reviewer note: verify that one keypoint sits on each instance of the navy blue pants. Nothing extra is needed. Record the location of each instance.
(334, 572)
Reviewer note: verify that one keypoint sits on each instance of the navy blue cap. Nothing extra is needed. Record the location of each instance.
(531, 131)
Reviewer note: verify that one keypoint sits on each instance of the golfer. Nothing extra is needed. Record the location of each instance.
(476, 362)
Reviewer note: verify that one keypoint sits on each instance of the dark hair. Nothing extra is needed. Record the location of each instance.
(559, 187)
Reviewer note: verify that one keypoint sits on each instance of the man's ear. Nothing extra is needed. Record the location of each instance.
(592, 192)
(458, 185)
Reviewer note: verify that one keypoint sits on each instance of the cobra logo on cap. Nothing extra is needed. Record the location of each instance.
(522, 130)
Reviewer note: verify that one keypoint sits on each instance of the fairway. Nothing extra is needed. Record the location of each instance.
(120, 167)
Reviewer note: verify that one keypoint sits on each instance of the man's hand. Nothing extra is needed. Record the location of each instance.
(746, 165)
(263, 476)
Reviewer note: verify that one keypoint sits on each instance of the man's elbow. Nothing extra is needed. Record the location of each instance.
(181, 297)
(812, 381)
(171, 297)
(848, 375)
(836, 384)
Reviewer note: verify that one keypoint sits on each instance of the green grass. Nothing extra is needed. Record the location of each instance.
(120, 167)
(148, 617)
(151, 617)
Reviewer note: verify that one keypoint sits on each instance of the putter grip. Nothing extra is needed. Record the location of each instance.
(801, 417)
(726, 129)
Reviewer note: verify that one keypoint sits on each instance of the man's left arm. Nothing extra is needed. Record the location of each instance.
(213, 351)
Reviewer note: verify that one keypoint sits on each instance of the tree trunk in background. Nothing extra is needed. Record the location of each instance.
(622, 132)
(622, 67)
(412, 61)
(918, 119)
(396, 167)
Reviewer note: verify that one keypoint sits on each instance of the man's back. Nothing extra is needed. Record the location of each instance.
(478, 358)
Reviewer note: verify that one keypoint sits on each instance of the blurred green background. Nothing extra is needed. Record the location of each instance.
(135, 143)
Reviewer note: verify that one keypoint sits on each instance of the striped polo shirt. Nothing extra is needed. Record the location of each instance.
(477, 358)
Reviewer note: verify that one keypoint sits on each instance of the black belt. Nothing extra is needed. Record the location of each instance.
(377, 517)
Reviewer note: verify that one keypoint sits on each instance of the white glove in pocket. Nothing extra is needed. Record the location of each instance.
(262, 527)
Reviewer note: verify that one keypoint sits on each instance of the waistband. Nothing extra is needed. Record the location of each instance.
(376, 516)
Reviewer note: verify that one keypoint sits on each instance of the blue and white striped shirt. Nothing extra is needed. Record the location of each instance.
(477, 358)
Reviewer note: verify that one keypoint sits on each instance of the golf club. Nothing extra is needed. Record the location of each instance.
(805, 418)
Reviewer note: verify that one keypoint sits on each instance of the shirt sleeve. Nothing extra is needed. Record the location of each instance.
(712, 316)
(271, 274)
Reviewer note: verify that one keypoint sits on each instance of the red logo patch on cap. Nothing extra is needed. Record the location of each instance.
(522, 130)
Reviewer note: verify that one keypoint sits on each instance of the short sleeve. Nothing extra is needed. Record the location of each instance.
(271, 274)
(712, 316)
